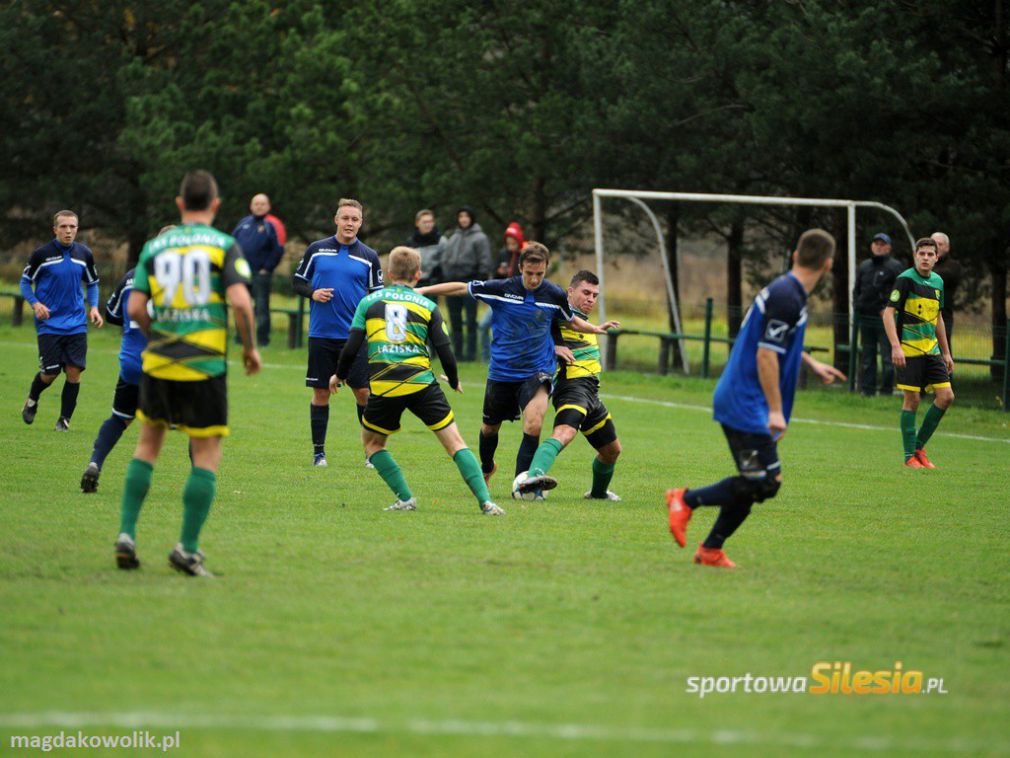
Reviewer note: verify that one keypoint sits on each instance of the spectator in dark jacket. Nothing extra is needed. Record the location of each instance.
(430, 243)
(508, 265)
(258, 239)
(467, 257)
(951, 272)
(874, 282)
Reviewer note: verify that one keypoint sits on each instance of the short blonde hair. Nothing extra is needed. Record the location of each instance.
(422, 213)
(404, 263)
(61, 214)
(349, 201)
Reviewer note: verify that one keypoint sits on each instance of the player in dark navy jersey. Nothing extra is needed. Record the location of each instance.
(335, 273)
(124, 402)
(521, 374)
(51, 283)
(754, 399)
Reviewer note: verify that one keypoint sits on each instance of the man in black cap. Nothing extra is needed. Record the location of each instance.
(467, 257)
(874, 282)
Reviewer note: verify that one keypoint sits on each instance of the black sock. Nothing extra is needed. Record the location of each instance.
(320, 417)
(730, 518)
(527, 449)
(487, 444)
(68, 400)
(720, 493)
(38, 387)
(108, 435)
(361, 412)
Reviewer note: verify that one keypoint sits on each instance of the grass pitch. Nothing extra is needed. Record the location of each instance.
(565, 628)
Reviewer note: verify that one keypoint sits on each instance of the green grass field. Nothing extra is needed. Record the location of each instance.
(564, 628)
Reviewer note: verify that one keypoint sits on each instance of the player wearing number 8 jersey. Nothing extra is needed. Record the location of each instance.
(398, 324)
(187, 275)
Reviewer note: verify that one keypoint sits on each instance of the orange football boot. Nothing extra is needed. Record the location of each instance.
(920, 455)
(710, 556)
(913, 462)
(680, 514)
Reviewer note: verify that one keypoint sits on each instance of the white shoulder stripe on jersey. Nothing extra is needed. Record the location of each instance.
(777, 348)
(42, 266)
(309, 264)
(82, 263)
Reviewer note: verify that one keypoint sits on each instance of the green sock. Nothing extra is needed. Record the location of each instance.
(929, 423)
(138, 482)
(467, 464)
(391, 474)
(196, 499)
(908, 433)
(544, 457)
(602, 474)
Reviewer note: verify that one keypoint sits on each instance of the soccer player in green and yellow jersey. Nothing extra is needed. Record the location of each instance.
(398, 324)
(919, 349)
(577, 404)
(180, 288)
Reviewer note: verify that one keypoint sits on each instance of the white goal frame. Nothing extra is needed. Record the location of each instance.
(639, 196)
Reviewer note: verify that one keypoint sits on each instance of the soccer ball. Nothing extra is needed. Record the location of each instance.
(516, 494)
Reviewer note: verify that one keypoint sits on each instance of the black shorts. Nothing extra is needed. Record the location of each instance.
(124, 403)
(756, 455)
(324, 354)
(504, 401)
(59, 350)
(198, 408)
(577, 403)
(923, 373)
(382, 414)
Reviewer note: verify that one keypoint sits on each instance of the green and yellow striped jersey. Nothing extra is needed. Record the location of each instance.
(186, 272)
(585, 348)
(917, 301)
(398, 324)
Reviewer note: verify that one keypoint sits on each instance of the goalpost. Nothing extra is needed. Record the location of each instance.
(639, 196)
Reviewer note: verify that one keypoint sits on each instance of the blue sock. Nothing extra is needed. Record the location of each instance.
(720, 493)
(108, 435)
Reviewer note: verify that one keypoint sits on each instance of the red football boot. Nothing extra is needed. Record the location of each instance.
(913, 462)
(710, 556)
(680, 514)
(920, 455)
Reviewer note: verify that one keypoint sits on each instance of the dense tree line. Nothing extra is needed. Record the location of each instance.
(517, 109)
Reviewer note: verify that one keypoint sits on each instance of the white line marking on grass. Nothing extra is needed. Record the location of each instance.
(843, 424)
(460, 728)
(671, 404)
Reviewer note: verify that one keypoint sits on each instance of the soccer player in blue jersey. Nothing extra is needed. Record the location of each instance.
(521, 374)
(124, 402)
(51, 283)
(754, 398)
(335, 273)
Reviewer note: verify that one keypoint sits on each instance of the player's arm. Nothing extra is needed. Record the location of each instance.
(236, 277)
(114, 305)
(581, 325)
(301, 280)
(768, 375)
(136, 309)
(28, 280)
(438, 335)
(354, 339)
(446, 288)
(891, 330)
(90, 276)
(941, 337)
(824, 371)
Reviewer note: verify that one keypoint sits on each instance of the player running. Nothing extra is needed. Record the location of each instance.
(397, 324)
(577, 403)
(922, 356)
(754, 398)
(124, 402)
